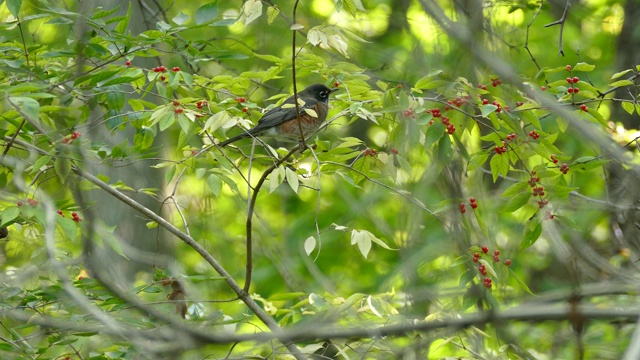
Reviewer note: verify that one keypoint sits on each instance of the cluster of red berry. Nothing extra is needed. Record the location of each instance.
(487, 282)
(370, 152)
(74, 215)
(201, 103)
(564, 168)
(69, 138)
(449, 126)
(495, 82)
(30, 201)
(457, 102)
(472, 203)
(178, 109)
(534, 135)
(538, 191)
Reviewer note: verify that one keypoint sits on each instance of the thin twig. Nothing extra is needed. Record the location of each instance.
(293, 71)
(250, 211)
(561, 22)
(526, 39)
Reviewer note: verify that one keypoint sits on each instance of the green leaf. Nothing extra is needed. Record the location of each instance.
(517, 201)
(532, 233)
(276, 178)
(272, 14)
(522, 284)
(516, 189)
(9, 214)
(103, 13)
(68, 226)
(621, 83)
(206, 12)
(143, 139)
(28, 106)
(251, 10)
(14, 7)
(112, 242)
(309, 245)
(124, 23)
(62, 167)
(361, 238)
(499, 165)
(181, 18)
(628, 107)
(583, 67)
(487, 109)
(292, 179)
(587, 163)
(444, 151)
(434, 133)
(619, 74)
(215, 184)
(39, 163)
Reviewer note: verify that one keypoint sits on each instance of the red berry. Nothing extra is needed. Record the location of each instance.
(543, 88)
(66, 140)
(19, 203)
(485, 249)
(487, 283)
(507, 262)
(462, 208)
(575, 79)
(176, 103)
(128, 63)
(474, 206)
(568, 67)
(472, 200)
(336, 84)
(584, 108)
(59, 212)
(575, 90)
(163, 78)
(496, 258)
(394, 151)
(496, 252)
(178, 110)
(485, 101)
(570, 90)
(175, 69)
(408, 113)
(569, 80)
(244, 109)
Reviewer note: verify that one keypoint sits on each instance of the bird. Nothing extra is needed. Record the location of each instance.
(281, 122)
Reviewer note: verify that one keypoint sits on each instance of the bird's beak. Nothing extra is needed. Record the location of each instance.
(334, 90)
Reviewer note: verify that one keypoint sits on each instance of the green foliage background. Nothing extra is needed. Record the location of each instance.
(362, 231)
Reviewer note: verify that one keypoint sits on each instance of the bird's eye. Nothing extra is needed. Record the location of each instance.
(324, 93)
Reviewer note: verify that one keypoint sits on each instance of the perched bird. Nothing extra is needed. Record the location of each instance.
(281, 123)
